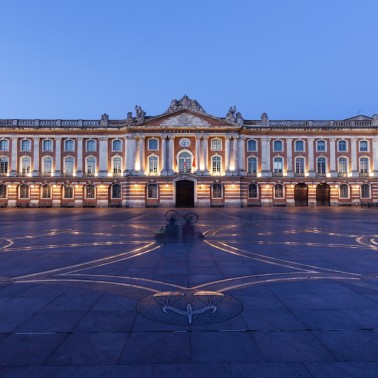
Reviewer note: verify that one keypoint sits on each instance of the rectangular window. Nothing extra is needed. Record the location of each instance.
(299, 166)
(3, 145)
(216, 164)
(3, 191)
(364, 165)
(321, 166)
(90, 191)
(344, 191)
(365, 191)
(152, 191)
(69, 145)
(320, 146)
(46, 191)
(278, 165)
(252, 166)
(342, 146)
(251, 146)
(68, 191)
(364, 147)
(343, 166)
(217, 191)
(153, 165)
(3, 165)
(299, 146)
(153, 144)
(277, 146)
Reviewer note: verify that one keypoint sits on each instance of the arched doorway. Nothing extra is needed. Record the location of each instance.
(301, 194)
(184, 193)
(323, 195)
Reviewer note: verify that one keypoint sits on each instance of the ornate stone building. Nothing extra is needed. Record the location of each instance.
(188, 158)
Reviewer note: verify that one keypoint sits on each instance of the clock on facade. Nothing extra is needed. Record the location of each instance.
(184, 142)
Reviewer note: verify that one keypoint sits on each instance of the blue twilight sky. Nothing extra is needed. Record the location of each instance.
(294, 59)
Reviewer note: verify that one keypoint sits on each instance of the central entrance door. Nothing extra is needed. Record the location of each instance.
(184, 193)
(323, 196)
(301, 195)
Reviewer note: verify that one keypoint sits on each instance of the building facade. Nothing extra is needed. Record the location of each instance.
(188, 158)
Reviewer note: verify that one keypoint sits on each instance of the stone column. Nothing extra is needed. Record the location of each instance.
(310, 145)
(13, 167)
(36, 157)
(79, 163)
(332, 156)
(58, 156)
(289, 156)
(265, 158)
(375, 156)
(234, 161)
(103, 157)
(241, 156)
(171, 155)
(163, 163)
(227, 154)
(353, 151)
(141, 155)
(198, 154)
(205, 148)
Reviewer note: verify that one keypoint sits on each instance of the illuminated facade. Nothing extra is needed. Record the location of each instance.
(188, 158)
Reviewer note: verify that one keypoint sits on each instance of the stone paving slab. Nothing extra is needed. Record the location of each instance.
(71, 280)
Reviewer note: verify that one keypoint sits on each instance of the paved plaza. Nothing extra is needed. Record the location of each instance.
(266, 292)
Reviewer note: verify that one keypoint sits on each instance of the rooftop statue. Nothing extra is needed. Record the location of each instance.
(140, 114)
(129, 119)
(185, 103)
(231, 114)
(239, 119)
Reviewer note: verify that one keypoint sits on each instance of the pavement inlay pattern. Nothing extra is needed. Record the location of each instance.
(291, 291)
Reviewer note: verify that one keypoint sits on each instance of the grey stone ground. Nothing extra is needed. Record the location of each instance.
(71, 280)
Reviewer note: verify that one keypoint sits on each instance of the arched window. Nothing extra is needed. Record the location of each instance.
(343, 166)
(321, 166)
(47, 145)
(68, 191)
(47, 165)
(3, 191)
(117, 145)
(23, 191)
(253, 191)
(216, 144)
(4, 145)
(217, 191)
(342, 146)
(90, 191)
(364, 166)
(251, 145)
(153, 163)
(69, 145)
(299, 146)
(344, 191)
(90, 169)
(364, 146)
(116, 191)
(365, 191)
(277, 146)
(4, 164)
(152, 191)
(216, 164)
(153, 144)
(46, 191)
(278, 165)
(252, 166)
(91, 145)
(299, 166)
(25, 145)
(25, 165)
(68, 168)
(185, 162)
(117, 165)
(278, 191)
